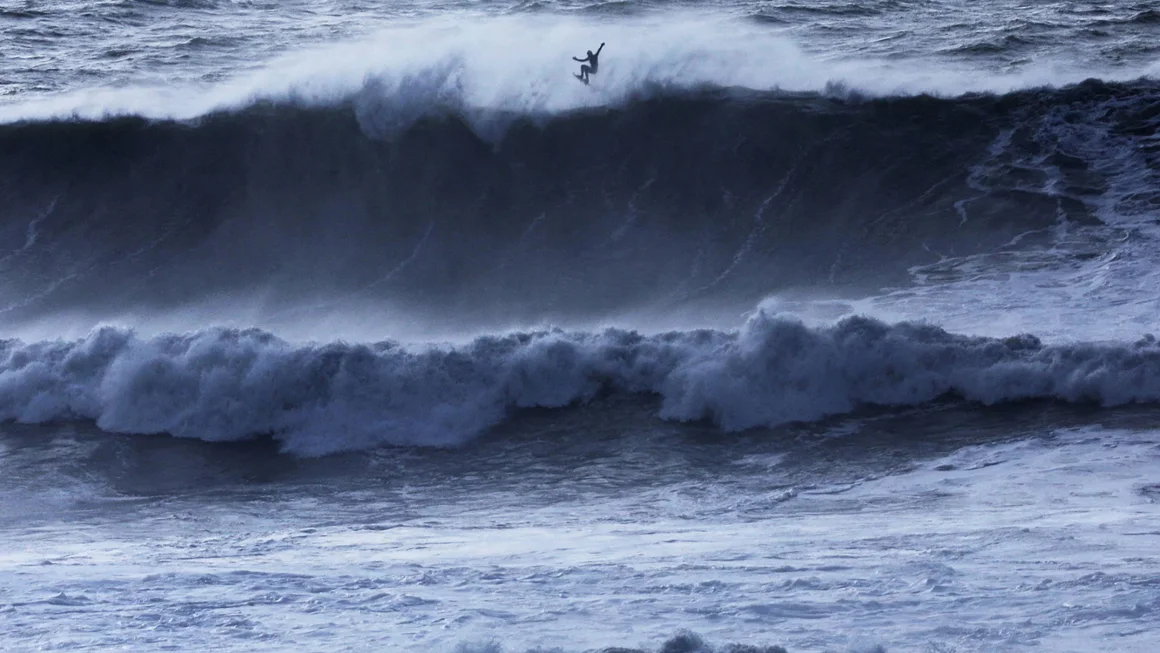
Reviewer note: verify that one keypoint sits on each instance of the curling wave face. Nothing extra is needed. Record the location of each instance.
(226, 384)
(717, 195)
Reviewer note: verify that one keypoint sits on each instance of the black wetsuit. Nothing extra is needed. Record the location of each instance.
(593, 61)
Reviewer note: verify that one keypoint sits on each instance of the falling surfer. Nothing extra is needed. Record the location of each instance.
(594, 60)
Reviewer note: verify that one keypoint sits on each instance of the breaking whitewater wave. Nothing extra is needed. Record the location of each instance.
(522, 64)
(721, 195)
(425, 190)
(223, 384)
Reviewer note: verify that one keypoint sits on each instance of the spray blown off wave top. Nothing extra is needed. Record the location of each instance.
(405, 198)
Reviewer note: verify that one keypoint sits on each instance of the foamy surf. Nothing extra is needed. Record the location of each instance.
(521, 65)
(228, 385)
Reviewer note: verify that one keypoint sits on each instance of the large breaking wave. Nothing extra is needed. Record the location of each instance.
(676, 196)
(415, 199)
(227, 384)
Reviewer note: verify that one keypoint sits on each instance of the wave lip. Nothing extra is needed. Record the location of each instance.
(522, 64)
(222, 384)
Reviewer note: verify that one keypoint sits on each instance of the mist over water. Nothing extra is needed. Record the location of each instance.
(513, 63)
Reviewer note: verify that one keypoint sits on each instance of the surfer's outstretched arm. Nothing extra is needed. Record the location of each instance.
(599, 49)
(580, 60)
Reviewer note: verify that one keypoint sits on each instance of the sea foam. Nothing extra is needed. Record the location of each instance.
(522, 64)
(220, 384)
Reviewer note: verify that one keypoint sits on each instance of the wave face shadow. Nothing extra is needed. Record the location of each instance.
(717, 195)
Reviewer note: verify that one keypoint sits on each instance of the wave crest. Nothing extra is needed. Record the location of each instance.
(521, 64)
(222, 384)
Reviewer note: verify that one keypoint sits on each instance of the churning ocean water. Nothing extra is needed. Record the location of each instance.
(807, 326)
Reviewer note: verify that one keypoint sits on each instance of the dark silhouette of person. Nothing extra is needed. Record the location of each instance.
(593, 59)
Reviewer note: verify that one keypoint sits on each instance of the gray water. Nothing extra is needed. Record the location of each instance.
(964, 534)
(898, 394)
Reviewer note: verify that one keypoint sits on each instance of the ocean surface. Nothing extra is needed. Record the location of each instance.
(807, 326)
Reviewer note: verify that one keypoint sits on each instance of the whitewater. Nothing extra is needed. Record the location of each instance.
(806, 326)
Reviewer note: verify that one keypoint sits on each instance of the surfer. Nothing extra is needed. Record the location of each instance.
(592, 58)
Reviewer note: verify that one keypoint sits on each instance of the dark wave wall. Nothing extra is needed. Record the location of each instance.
(716, 195)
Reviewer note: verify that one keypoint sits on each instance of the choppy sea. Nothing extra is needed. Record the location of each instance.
(361, 326)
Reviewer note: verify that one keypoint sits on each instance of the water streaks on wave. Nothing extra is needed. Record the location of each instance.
(719, 195)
